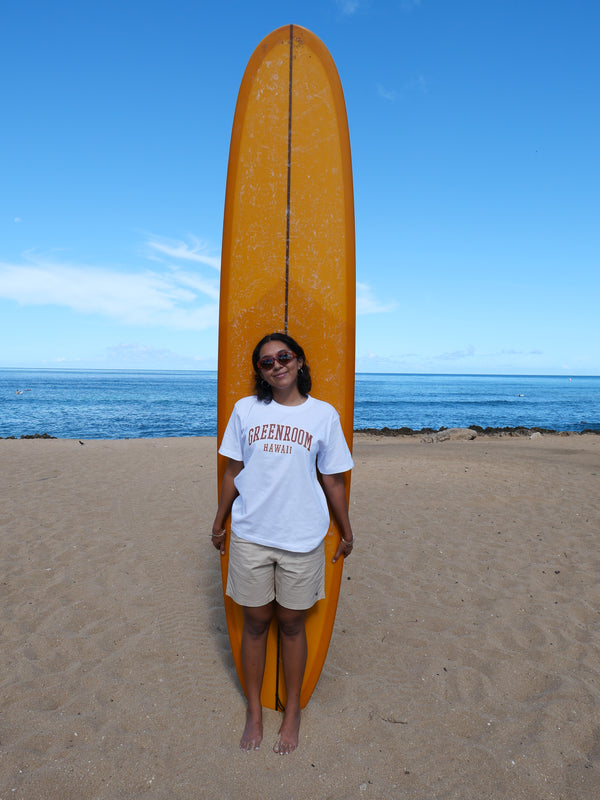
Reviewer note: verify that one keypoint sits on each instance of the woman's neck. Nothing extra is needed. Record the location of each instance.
(289, 397)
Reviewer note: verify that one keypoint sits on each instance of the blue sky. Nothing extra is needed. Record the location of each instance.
(474, 127)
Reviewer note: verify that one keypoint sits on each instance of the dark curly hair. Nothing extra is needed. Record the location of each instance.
(263, 390)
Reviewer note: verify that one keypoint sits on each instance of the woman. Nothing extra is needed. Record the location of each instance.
(275, 440)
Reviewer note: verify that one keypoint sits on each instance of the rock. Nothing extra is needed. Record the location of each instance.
(536, 435)
(452, 435)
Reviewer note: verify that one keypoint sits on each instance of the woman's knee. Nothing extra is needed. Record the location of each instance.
(291, 621)
(257, 620)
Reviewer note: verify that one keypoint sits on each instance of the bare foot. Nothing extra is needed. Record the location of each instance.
(288, 733)
(253, 732)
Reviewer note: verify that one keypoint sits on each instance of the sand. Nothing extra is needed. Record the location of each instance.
(465, 661)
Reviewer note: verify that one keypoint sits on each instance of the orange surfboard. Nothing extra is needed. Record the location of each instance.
(288, 265)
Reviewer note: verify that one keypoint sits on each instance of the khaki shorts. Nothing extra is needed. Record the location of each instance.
(258, 575)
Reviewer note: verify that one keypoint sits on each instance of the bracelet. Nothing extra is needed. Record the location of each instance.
(218, 535)
(351, 542)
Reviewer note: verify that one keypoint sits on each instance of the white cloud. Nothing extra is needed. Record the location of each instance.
(170, 298)
(182, 251)
(468, 352)
(132, 351)
(367, 303)
(166, 295)
(198, 284)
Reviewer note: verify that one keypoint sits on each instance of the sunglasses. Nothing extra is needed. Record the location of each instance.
(284, 357)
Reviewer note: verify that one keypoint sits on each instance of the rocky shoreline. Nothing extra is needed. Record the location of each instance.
(441, 433)
(476, 430)
(30, 436)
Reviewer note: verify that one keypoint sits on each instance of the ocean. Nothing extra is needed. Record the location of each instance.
(127, 404)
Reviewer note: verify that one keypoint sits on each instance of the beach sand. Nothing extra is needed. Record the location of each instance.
(465, 660)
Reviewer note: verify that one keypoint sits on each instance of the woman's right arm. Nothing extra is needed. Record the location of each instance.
(228, 495)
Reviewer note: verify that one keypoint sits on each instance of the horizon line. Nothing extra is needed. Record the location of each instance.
(567, 375)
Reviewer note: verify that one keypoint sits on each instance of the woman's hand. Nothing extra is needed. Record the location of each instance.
(344, 548)
(218, 539)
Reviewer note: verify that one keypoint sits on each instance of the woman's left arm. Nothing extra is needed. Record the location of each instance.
(335, 491)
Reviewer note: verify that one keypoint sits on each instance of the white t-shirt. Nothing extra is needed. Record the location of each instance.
(281, 503)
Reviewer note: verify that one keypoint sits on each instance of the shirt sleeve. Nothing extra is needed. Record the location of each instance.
(335, 455)
(231, 444)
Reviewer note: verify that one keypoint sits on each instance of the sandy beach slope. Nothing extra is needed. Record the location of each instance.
(465, 661)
